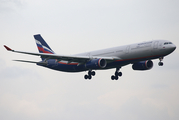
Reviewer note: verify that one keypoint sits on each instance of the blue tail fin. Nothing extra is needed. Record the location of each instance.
(42, 45)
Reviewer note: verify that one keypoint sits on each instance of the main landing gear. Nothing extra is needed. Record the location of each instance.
(117, 74)
(90, 74)
(160, 63)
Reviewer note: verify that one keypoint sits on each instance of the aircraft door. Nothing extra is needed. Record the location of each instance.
(155, 45)
(155, 48)
(127, 49)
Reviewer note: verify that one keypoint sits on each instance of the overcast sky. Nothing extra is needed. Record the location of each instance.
(28, 91)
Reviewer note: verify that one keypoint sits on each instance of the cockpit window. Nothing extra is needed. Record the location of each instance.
(167, 43)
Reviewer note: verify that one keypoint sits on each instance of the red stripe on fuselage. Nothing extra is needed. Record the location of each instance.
(99, 62)
(115, 61)
(140, 58)
(146, 64)
(68, 63)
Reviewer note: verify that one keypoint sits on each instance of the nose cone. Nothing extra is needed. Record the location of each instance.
(172, 47)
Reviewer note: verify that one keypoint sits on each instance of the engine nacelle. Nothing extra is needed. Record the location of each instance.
(96, 64)
(143, 65)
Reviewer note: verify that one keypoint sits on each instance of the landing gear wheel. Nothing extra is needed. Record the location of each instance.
(86, 76)
(116, 77)
(160, 63)
(120, 74)
(93, 73)
(89, 77)
(117, 74)
(90, 74)
(112, 77)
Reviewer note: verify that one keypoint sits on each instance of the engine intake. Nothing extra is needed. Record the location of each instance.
(96, 64)
(143, 65)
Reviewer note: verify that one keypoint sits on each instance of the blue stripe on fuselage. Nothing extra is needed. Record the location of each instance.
(52, 64)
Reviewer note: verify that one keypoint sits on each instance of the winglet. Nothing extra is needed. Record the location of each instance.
(7, 48)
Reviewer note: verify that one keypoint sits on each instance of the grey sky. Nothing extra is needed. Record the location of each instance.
(30, 92)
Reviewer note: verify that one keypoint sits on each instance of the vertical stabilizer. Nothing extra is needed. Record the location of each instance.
(42, 45)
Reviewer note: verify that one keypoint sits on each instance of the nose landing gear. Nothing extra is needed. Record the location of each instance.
(90, 74)
(117, 74)
(160, 63)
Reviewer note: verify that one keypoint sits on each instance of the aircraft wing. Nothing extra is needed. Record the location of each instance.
(72, 58)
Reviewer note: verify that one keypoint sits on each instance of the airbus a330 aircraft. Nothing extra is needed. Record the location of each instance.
(139, 54)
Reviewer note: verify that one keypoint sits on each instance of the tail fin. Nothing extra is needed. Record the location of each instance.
(42, 45)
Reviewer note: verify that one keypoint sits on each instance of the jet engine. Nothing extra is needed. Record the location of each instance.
(143, 65)
(96, 64)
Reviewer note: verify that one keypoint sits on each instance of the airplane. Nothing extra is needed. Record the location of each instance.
(140, 55)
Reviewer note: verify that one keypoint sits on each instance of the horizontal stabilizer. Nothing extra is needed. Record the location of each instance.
(43, 63)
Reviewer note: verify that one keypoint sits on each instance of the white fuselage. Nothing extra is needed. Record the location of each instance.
(133, 51)
(139, 54)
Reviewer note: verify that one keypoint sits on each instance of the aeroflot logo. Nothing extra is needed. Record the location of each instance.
(44, 47)
(38, 42)
(145, 43)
